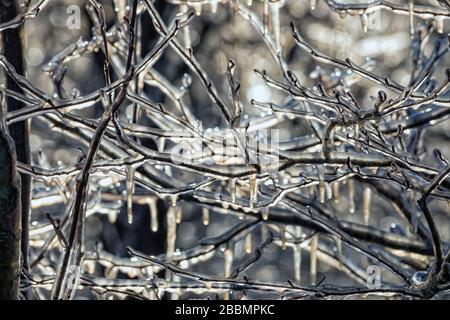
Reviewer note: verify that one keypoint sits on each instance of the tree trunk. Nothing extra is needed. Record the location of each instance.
(10, 216)
(12, 49)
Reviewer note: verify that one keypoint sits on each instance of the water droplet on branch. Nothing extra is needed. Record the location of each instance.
(419, 278)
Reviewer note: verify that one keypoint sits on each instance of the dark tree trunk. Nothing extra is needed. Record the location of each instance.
(12, 49)
(10, 218)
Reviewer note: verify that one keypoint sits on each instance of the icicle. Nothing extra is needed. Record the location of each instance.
(312, 4)
(366, 205)
(130, 190)
(214, 5)
(228, 264)
(351, 196)
(313, 259)
(298, 254)
(178, 215)
(356, 131)
(173, 199)
(266, 16)
(187, 36)
(275, 9)
(415, 221)
(235, 6)
(439, 24)
(232, 186)
(161, 143)
(171, 233)
(328, 191)
(365, 22)
(205, 216)
(336, 193)
(253, 190)
(264, 231)
(248, 244)
(112, 216)
(283, 237)
(338, 241)
(152, 204)
(265, 213)
(411, 16)
(228, 260)
(322, 190)
(197, 8)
